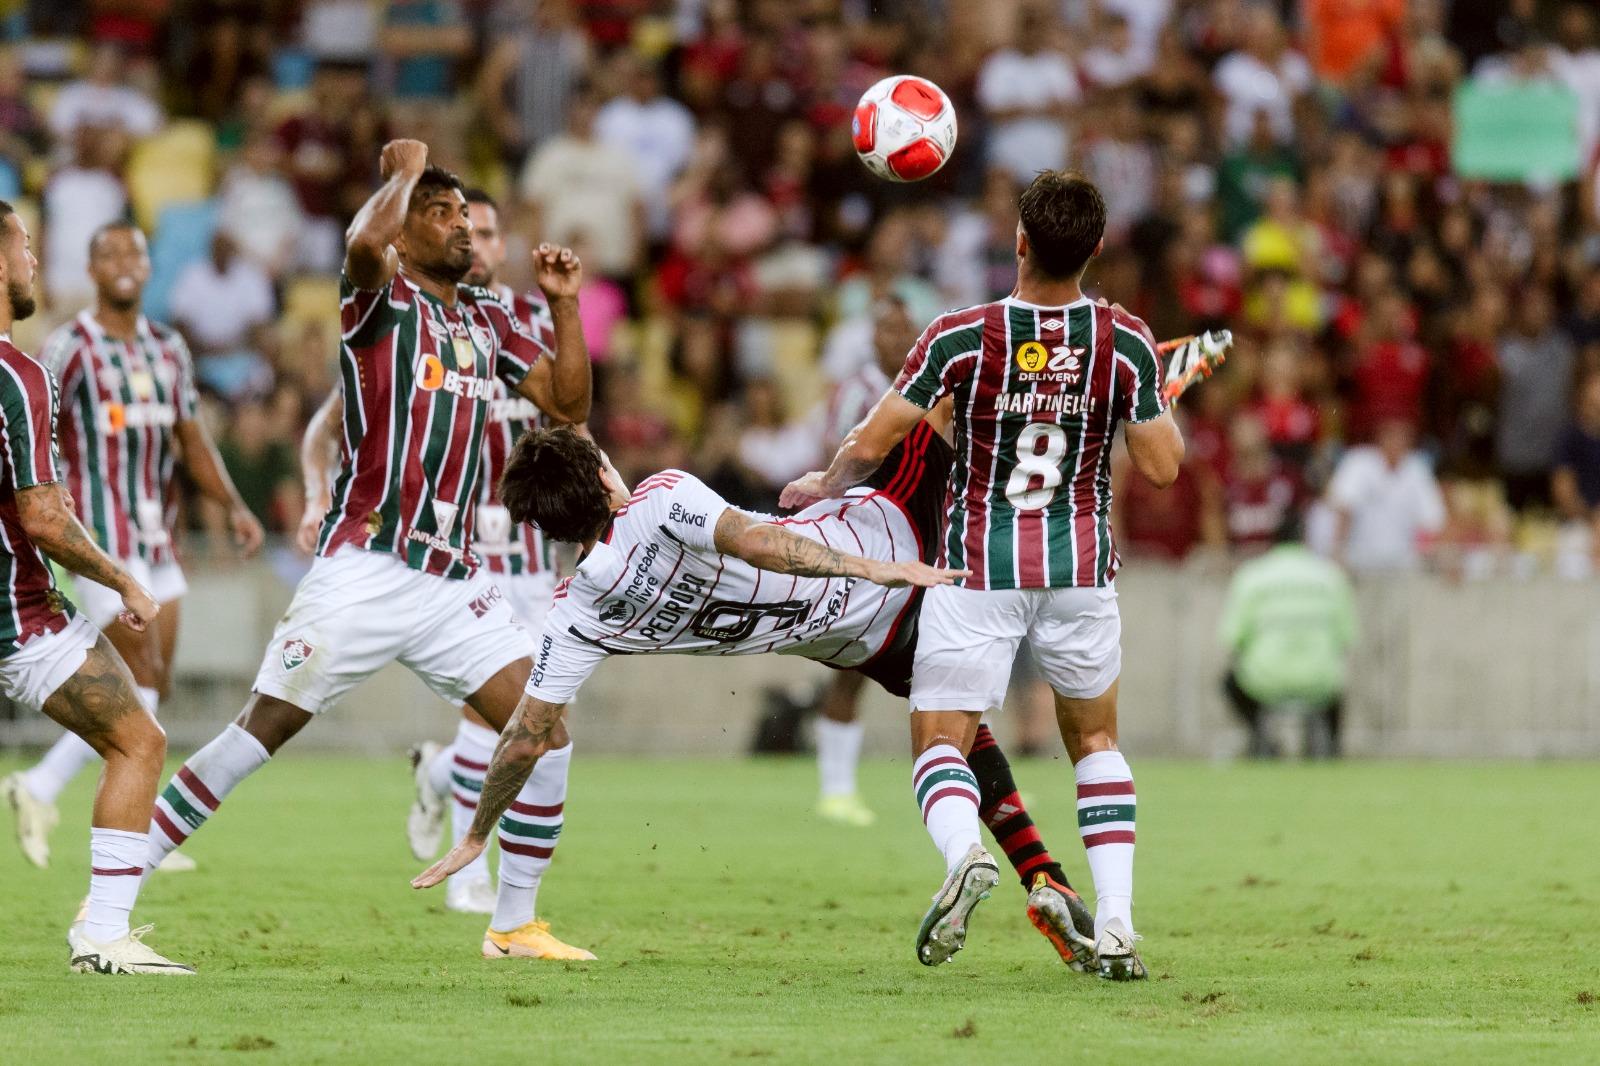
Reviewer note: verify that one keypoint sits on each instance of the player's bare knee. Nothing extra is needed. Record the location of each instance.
(136, 736)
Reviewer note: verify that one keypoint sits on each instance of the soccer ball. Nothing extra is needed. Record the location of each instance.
(904, 128)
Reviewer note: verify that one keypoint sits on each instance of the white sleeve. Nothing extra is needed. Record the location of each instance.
(562, 661)
(689, 511)
(1345, 488)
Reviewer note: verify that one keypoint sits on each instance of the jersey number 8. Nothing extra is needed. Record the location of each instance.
(1032, 463)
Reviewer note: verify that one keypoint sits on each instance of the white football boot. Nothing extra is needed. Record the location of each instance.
(176, 862)
(425, 820)
(34, 820)
(130, 954)
(944, 927)
(475, 896)
(1119, 961)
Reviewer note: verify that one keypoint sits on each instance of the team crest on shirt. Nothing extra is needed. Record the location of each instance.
(618, 613)
(296, 652)
(444, 515)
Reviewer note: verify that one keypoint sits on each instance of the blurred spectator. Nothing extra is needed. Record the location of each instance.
(421, 40)
(1261, 493)
(769, 448)
(1288, 625)
(655, 131)
(1389, 375)
(22, 134)
(316, 144)
(577, 183)
(893, 334)
(1263, 78)
(1575, 483)
(258, 209)
(524, 87)
(1247, 172)
(1026, 92)
(106, 101)
(79, 198)
(977, 261)
(1348, 37)
(231, 50)
(1386, 503)
(225, 308)
(1537, 366)
(264, 467)
(1121, 162)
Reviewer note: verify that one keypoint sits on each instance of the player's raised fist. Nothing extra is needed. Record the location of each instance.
(402, 157)
(557, 270)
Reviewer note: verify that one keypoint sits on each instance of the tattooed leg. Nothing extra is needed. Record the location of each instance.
(99, 704)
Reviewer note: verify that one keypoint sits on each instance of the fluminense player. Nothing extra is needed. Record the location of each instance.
(395, 577)
(128, 417)
(51, 658)
(1041, 380)
(671, 567)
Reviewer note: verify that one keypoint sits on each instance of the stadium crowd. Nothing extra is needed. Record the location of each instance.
(1418, 366)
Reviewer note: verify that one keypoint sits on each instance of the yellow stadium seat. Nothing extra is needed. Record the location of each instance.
(175, 165)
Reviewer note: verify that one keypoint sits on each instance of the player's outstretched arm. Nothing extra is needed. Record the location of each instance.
(862, 452)
(525, 738)
(771, 547)
(370, 260)
(563, 387)
(47, 518)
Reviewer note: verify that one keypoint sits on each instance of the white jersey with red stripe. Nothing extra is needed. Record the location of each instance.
(656, 583)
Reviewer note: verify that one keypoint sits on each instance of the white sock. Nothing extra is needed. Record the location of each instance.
(116, 867)
(68, 756)
(528, 835)
(200, 786)
(468, 762)
(439, 769)
(947, 794)
(1105, 821)
(838, 751)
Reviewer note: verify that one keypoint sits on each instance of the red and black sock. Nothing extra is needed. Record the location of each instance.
(1002, 811)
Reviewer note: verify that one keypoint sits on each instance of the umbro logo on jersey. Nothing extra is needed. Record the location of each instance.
(296, 652)
(1051, 323)
(444, 515)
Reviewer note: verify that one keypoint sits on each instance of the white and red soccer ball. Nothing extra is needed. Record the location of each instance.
(904, 128)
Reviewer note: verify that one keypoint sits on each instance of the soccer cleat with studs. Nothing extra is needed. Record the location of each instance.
(1119, 960)
(531, 941)
(129, 954)
(1061, 917)
(944, 927)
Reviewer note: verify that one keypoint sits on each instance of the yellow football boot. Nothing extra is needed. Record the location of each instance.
(846, 810)
(532, 941)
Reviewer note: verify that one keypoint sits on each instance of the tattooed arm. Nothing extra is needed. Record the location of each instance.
(48, 520)
(772, 547)
(526, 737)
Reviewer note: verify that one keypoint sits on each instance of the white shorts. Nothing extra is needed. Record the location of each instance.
(967, 640)
(31, 674)
(530, 596)
(101, 605)
(357, 612)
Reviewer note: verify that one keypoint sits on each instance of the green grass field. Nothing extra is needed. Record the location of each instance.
(1377, 912)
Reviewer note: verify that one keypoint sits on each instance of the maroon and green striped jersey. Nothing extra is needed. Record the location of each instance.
(28, 412)
(1038, 395)
(120, 403)
(418, 379)
(505, 546)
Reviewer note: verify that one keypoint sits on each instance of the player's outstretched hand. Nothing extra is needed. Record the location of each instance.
(402, 157)
(247, 532)
(917, 575)
(557, 270)
(139, 608)
(803, 491)
(469, 848)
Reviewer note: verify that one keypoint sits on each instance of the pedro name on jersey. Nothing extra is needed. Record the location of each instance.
(657, 583)
(418, 379)
(504, 546)
(1039, 392)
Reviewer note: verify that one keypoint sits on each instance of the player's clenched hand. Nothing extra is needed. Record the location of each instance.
(557, 270)
(310, 530)
(917, 575)
(247, 533)
(139, 607)
(402, 157)
(469, 848)
(803, 491)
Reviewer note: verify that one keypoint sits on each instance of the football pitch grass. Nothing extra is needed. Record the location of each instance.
(1366, 912)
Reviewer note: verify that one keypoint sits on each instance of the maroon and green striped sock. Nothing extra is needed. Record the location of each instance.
(199, 787)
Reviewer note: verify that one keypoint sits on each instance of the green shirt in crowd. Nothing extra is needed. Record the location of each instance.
(1289, 622)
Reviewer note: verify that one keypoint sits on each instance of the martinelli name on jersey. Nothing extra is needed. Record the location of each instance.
(656, 583)
(419, 378)
(1039, 392)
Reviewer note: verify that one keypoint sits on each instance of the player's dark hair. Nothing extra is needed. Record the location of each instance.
(6, 209)
(116, 225)
(552, 480)
(435, 179)
(476, 195)
(1064, 216)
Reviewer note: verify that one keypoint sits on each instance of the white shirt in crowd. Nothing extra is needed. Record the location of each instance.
(84, 103)
(1011, 80)
(779, 455)
(586, 187)
(77, 201)
(658, 135)
(1249, 86)
(219, 309)
(1390, 508)
(262, 214)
